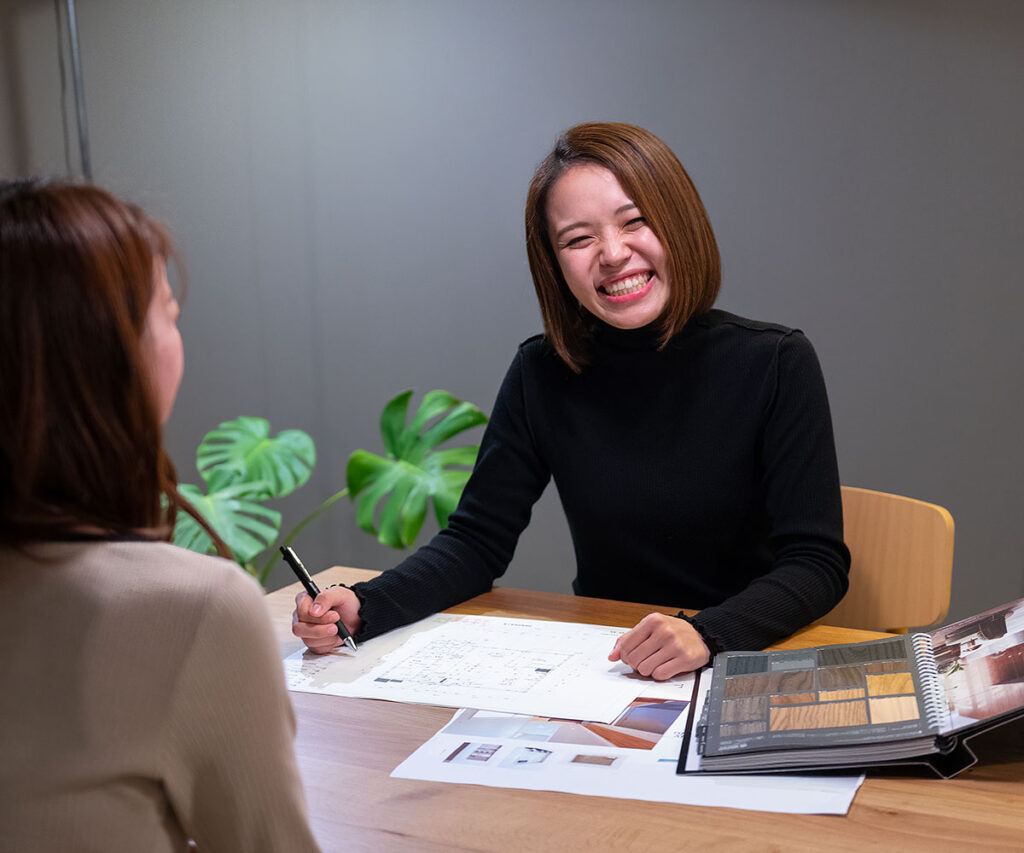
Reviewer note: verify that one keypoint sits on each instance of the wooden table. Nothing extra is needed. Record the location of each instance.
(347, 747)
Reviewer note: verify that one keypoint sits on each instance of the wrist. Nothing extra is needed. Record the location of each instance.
(712, 646)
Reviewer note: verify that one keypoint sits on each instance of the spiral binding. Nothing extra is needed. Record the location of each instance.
(933, 694)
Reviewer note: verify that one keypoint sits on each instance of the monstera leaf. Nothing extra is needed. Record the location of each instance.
(242, 465)
(243, 451)
(246, 526)
(413, 473)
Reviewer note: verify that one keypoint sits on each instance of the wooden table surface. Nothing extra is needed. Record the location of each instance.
(348, 747)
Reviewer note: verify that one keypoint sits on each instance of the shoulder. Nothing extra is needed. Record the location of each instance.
(723, 322)
(213, 582)
(184, 587)
(537, 357)
(742, 335)
(535, 346)
(535, 360)
(166, 566)
(200, 606)
(158, 595)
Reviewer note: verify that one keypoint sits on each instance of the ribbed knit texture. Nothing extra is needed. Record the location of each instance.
(143, 705)
(700, 476)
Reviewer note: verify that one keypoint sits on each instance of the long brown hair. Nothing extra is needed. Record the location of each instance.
(655, 180)
(81, 444)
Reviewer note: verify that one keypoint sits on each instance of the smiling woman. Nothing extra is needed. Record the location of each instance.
(692, 449)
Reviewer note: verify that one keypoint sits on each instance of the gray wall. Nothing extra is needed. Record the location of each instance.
(347, 181)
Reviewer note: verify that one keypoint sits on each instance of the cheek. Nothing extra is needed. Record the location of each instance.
(175, 367)
(176, 359)
(652, 249)
(576, 275)
(166, 365)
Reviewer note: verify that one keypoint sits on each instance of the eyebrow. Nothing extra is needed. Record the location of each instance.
(630, 206)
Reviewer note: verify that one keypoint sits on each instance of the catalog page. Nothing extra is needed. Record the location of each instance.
(632, 757)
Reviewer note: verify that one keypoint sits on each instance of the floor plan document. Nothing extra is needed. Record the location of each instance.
(558, 669)
(333, 673)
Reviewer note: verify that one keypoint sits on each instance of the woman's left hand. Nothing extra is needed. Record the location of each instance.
(661, 646)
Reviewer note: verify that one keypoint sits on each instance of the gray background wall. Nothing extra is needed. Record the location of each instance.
(347, 181)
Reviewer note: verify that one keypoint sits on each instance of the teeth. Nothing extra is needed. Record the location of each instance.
(628, 285)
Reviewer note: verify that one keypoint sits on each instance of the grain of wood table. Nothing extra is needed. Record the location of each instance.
(348, 747)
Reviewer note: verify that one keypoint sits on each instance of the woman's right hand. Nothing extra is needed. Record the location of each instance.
(314, 621)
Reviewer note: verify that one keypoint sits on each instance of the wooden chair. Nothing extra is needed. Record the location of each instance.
(902, 562)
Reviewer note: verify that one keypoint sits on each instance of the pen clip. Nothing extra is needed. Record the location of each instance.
(292, 559)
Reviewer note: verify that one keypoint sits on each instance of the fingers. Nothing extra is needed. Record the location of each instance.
(628, 642)
(661, 647)
(318, 638)
(314, 621)
(327, 602)
(321, 605)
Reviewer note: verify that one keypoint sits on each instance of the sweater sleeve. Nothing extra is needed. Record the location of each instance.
(800, 487)
(464, 559)
(229, 760)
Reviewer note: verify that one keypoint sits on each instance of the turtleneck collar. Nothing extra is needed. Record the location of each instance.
(645, 338)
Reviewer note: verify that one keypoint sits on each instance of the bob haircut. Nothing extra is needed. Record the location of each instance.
(81, 445)
(652, 176)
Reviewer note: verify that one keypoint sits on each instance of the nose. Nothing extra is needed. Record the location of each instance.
(614, 250)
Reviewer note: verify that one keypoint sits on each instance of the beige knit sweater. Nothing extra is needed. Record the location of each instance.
(142, 704)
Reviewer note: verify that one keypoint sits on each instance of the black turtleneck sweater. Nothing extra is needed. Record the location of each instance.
(699, 476)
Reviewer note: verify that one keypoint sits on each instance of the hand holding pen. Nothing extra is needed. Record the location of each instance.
(315, 614)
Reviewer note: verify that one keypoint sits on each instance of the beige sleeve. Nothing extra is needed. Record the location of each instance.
(229, 756)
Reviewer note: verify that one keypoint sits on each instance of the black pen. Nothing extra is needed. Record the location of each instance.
(292, 559)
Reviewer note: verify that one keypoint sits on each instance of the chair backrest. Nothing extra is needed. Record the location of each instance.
(902, 562)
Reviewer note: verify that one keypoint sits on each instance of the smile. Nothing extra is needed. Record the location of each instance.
(627, 285)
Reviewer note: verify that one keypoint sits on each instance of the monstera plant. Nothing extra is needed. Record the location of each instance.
(243, 466)
(413, 472)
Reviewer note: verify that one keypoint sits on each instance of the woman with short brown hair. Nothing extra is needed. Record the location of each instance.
(692, 448)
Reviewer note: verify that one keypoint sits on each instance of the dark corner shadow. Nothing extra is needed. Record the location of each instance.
(994, 749)
(1001, 745)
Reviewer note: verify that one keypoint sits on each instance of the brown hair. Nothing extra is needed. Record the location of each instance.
(81, 444)
(658, 184)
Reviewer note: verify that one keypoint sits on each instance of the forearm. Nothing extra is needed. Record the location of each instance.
(439, 575)
(810, 563)
(464, 559)
(808, 580)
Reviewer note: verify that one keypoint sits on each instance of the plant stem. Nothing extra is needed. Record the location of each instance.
(295, 531)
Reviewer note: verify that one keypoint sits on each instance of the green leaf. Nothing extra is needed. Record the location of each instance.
(389, 478)
(243, 452)
(461, 417)
(392, 422)
(246, 526)
(458, 455)
(445, 502)
(391, 515)
(363, 468)
(434, 403)
(413, 511)
(414, 473)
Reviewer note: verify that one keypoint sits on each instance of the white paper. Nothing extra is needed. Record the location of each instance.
(558, 669)
(334, 672)
(513, 751)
